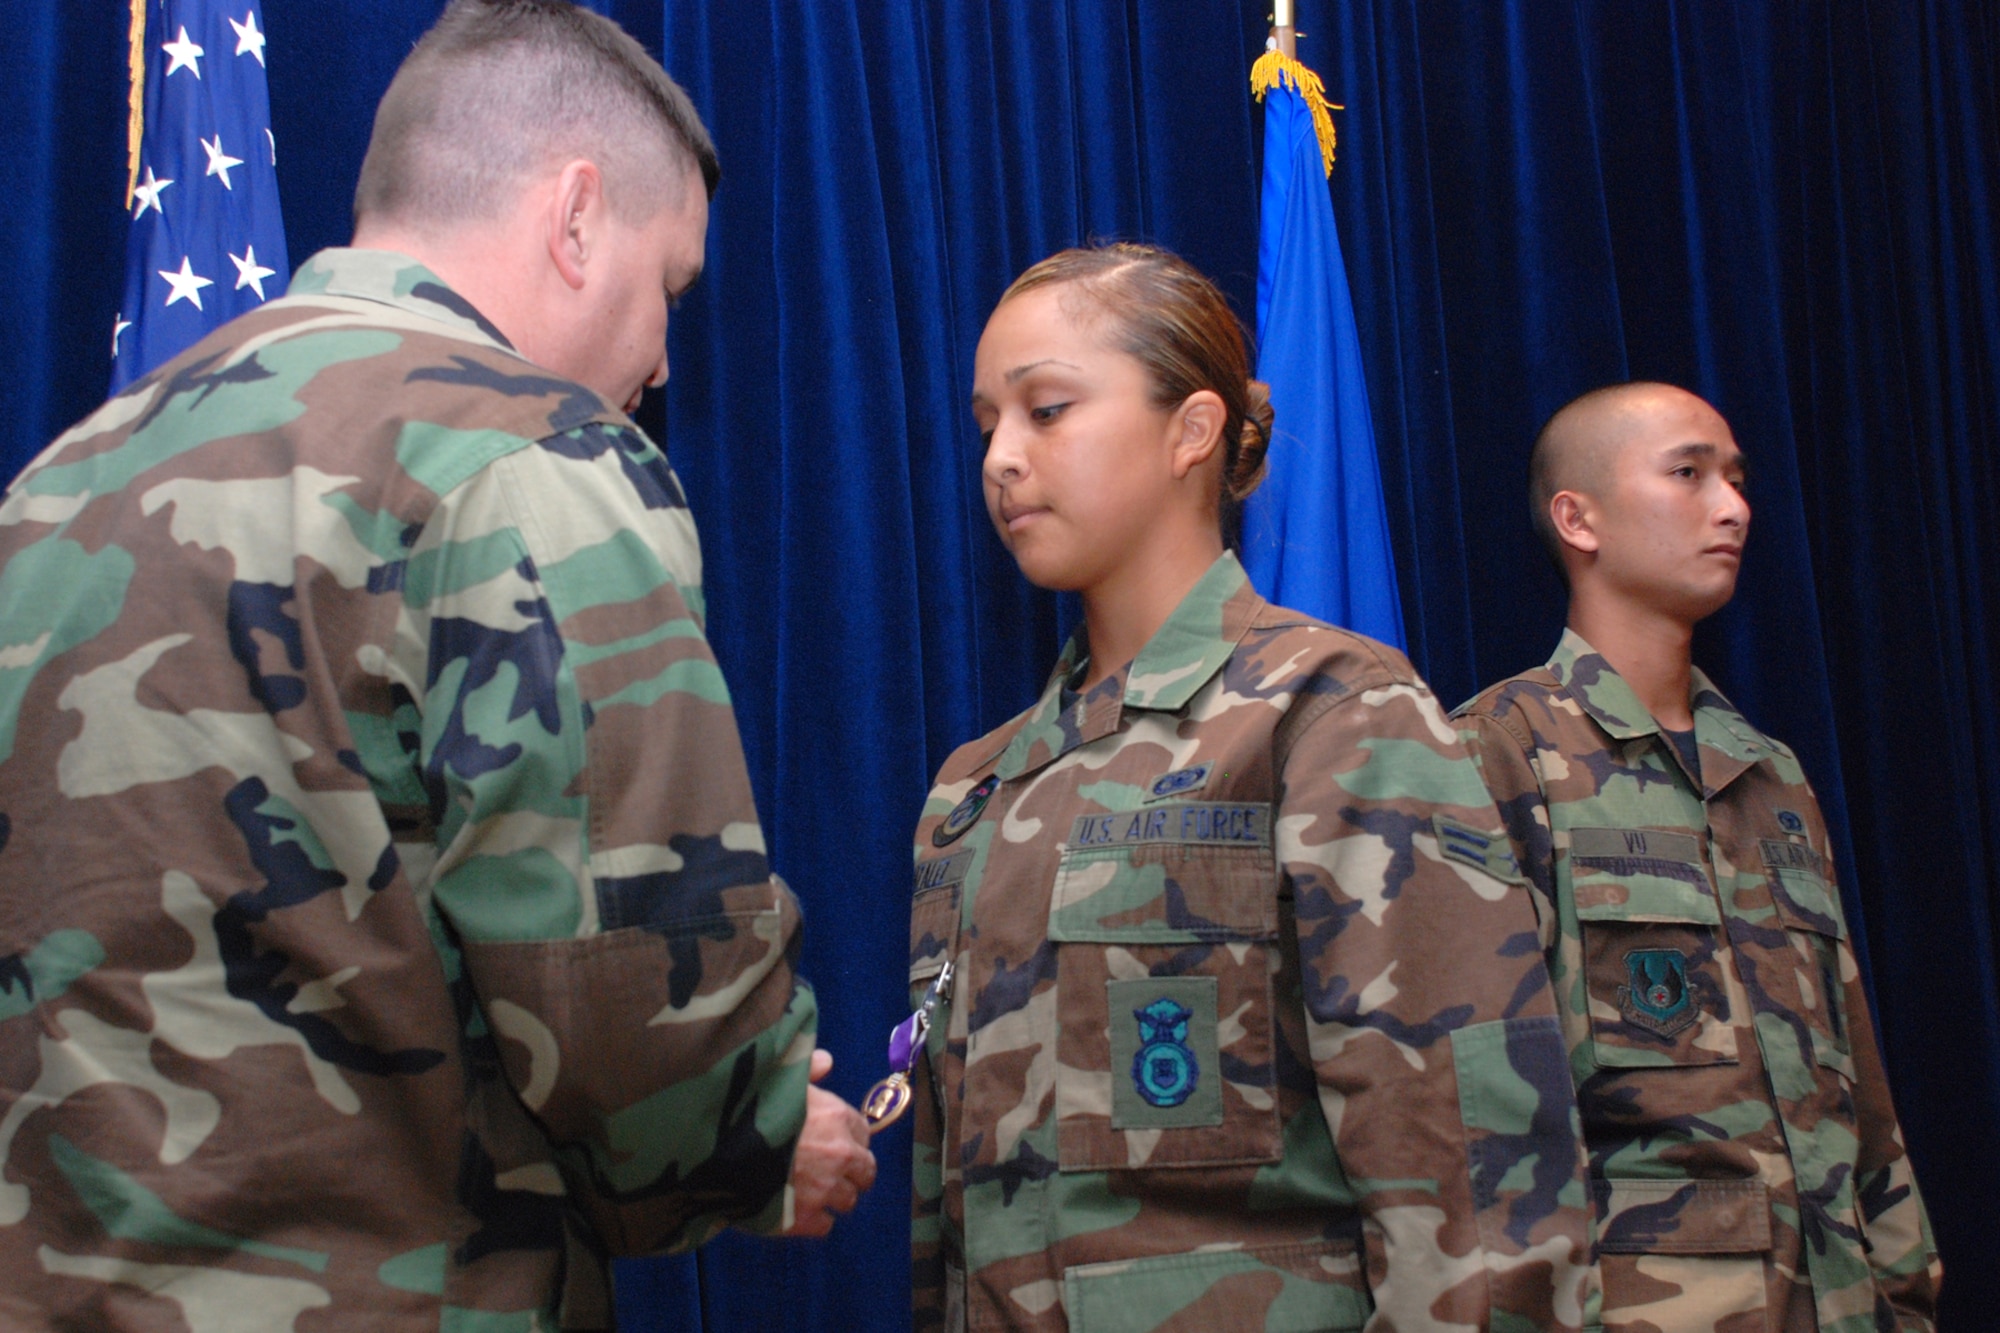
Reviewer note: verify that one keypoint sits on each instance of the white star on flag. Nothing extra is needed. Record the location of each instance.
(220, 162)
(198, 256)
(249, 273)
(148, 195)
(187, 284)
(186, 55)
(249, 41)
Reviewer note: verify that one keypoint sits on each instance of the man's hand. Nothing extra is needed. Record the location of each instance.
(832, 1166)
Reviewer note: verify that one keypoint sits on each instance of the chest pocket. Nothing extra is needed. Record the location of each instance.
(1165, 922)
(1651, 931)
(934, 914)
(933, 935)
(1814, 927)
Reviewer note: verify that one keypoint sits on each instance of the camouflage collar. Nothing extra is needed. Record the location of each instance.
(397, 280)
(1603, 694)
(1180, 658)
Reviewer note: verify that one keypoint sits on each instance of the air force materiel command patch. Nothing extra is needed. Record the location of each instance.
(1789, 821)
(1655, 996)
(965, 813)
(1180, 782)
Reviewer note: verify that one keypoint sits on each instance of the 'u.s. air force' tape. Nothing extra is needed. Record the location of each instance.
(1223, 823)
(1475, 847)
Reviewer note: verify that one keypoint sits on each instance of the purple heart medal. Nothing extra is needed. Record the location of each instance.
(887, 1100)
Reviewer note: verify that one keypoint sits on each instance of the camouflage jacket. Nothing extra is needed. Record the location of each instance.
(1245, 1030)
(1744, 1153)
(385, 927)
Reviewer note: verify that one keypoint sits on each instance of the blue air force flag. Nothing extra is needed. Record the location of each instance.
(206, 242)
(1316, 533)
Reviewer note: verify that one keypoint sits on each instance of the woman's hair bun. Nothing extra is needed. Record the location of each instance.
(1253, 443)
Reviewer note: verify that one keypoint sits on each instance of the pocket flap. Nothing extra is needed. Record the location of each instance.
(1683, 1216)
(1320, 1290)
(1644, 898)
(1175, 873)
(933, 930)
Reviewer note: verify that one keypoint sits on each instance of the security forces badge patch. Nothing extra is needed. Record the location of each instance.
(1164, 1071)
(1656, 996)
(1165, 1057)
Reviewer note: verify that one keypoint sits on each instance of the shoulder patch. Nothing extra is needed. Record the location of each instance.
(965, 814)
(1789, 821)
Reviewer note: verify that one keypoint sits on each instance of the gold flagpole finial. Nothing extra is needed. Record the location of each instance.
(1280, 65)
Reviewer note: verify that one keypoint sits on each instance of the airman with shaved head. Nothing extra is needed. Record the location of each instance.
(1745, 1160)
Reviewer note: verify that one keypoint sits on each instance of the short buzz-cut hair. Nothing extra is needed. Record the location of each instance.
(501, 89)
(1569, 454)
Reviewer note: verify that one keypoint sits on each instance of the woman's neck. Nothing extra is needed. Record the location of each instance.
(1126, 609)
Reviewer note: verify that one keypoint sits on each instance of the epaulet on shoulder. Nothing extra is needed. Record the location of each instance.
(1502, 699)
(1335, 642)
(977, 757)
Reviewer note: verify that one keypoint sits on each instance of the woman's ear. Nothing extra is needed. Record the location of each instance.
(1197, 425)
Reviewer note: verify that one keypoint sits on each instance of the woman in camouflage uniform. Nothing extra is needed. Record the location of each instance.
(1239, 1018)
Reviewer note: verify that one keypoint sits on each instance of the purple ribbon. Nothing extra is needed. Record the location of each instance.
(907, 1037)
(903, 1043)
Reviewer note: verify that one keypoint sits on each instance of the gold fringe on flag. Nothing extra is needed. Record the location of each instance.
(1274, 68)
(135, 124)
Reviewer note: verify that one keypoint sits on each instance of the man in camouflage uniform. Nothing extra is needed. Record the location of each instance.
(1247, 1025)
(1747, 1166)
(386, 936)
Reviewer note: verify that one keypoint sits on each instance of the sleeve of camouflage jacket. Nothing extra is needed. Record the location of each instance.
(1433, 1033)
(1897, 1229)
(599, 861)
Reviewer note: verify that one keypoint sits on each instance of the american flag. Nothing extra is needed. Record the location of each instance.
(207, 241)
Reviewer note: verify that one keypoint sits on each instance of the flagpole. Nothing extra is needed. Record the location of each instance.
(1282, 29)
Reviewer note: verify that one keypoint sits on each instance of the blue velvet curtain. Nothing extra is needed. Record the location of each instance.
(1788, 207)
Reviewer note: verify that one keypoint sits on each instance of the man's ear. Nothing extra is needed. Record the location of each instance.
(1199, 420)
(1574, 521)
(574, 219)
